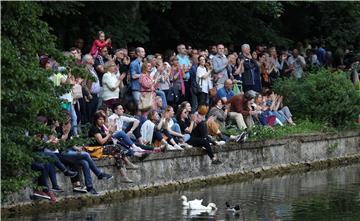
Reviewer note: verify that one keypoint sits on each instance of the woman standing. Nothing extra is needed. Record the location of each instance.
(177, 79)
(265, 78)
(111, 82)
(147, 87)
(203, 79)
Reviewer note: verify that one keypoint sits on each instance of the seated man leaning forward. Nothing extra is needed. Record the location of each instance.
(225, 94)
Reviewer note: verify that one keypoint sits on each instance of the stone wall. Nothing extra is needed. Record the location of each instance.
(190, 166)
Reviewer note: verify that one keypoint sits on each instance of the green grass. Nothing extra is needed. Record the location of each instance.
(301, 127)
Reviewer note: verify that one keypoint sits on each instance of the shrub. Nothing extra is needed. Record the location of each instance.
(323, 96)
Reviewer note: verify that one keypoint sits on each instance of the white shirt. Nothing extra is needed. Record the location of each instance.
(109, 80)
(204, 82)
(297, 65)
(120, 120)
(147, 131)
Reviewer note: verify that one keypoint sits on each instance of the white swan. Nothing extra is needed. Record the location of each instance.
(187, 204)
(209, 207)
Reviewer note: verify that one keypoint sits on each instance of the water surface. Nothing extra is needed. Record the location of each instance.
(332, 194)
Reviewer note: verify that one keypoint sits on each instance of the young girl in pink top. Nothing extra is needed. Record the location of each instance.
(100, 43)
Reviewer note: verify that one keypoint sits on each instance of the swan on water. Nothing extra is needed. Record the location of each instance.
(187, 204)
(209, 207)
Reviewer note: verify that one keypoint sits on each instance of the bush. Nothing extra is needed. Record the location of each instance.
(323, 96)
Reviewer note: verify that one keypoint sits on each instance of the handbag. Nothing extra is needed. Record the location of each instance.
(236, 89)
(146, 100)
(77, 91)
(197, 88)
(173, 96)
(95, 151)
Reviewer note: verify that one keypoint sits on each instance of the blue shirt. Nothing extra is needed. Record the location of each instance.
(184, 59)
(219, 63)
(222, 92)
(135, 68)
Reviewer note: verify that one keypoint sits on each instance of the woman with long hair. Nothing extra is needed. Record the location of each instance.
(197, 130)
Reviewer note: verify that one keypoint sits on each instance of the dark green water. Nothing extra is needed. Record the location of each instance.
(332, 194)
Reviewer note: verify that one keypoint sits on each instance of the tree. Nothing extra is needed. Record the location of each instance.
(26, 89)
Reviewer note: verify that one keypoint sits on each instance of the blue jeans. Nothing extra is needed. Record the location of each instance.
(73, 116)
(54, 161)
(44, 169)
(87, 164)
(121, 135)
(136, 96)
(175, 127)
(161, 94)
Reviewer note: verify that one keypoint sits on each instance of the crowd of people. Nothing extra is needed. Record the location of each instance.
(139, 104)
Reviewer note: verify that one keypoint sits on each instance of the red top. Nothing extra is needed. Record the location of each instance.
(97, 45)
(239, 105)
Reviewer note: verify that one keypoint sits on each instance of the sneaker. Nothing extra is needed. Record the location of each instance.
(137, 149)
(57, 189)
(132, 167)
(233, 137)
(52, 196)
(105, 176)
(177, 147)
(186, 146)
(125, 180)
(245, 137)
(92, 191)
(215, 162)
(170, 147)
(80, 189)
(70, 173)
(241, 137)
(41, 194)
(220, 143)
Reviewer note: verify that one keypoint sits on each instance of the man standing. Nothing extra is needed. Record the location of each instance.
(248, 67)
(93, 87)
(185, 64)
(220, 63)
(135, 73)
(193, 69)
(100, 60)
(298, 63)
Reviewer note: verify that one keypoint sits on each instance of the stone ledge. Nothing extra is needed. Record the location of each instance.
(172, 170)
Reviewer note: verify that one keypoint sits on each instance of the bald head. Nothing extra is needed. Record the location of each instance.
(228, 84)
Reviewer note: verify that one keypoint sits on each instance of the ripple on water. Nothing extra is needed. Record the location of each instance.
(332, 194)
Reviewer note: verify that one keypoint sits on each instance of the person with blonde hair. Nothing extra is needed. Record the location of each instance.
(111, 82)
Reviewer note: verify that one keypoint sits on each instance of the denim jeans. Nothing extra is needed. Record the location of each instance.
(87, 164)
(175, 127)
(73, 119)
(54, 161)
(136, 96)
(44, 169)
(121, 135)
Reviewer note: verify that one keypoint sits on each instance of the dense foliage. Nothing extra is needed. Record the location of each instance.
(161, 25)
(26, 90)
(322, 95)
